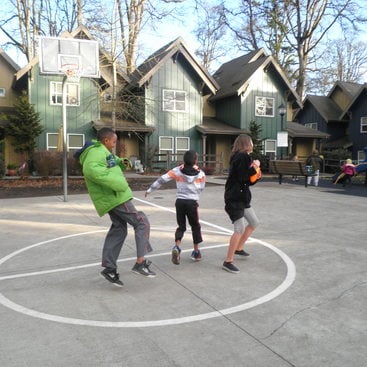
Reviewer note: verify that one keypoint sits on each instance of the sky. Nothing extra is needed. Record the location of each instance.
(166, 32)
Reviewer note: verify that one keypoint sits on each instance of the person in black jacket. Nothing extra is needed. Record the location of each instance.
(237, 197)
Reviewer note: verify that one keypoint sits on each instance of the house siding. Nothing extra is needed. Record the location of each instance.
(359, 109)
(174, 76)
(78, 117)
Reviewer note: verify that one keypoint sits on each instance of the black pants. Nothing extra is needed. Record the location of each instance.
(189, 209)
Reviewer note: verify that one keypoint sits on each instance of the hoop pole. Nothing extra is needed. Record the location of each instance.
(64, 147)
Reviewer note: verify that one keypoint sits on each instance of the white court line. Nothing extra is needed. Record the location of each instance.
(287, 282)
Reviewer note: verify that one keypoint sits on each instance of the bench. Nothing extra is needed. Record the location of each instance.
(293, 168)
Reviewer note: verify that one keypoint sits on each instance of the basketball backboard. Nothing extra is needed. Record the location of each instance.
(56, 53)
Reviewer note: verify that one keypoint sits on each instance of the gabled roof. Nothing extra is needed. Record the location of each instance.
(296, 130)
(154, 62)
(235, 75)
(349, 88)
(325, 106)
(358, 94)
(9, 60)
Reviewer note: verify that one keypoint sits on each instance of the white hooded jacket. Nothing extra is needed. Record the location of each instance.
(190, 181)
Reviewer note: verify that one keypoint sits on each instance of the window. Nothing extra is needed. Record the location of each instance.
(72, 94)
(165, 145)
(2, 92)
(363, 124)
(52, 139)
(270, 148)
(360, 156)
(182, 145)
(74, 142)
(175, 146)
(264, 106)
(174, 100)
(311, 125)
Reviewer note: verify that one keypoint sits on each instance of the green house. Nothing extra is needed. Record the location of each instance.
(85, 98)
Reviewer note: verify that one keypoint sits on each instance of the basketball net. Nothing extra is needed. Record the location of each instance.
(72, 72)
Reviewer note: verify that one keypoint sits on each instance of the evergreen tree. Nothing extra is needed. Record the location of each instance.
(24, 126)
(255, 133)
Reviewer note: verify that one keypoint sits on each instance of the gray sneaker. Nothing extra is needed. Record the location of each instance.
(143, 269)
(230, 267)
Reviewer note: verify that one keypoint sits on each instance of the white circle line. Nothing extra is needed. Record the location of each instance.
(289, 279)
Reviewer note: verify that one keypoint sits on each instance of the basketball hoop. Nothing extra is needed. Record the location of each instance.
(72, 72)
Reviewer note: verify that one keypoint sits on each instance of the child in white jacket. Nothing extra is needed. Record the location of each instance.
(190, 182)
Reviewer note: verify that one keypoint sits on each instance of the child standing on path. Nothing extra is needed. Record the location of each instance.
(237, 198)
(110, 193)
(315, 161)
(190, 182)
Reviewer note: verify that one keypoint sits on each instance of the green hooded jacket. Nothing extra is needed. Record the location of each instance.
(104, 178)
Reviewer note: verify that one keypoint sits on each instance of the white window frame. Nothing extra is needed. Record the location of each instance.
(69, 147)
(165, 150)
(170, 101)
(312, 125)
(178, 151)
(364, 125)
(2, 92)
(56, 94)
(48, 146)
(266, 148)
(360, 156)
(261, 103)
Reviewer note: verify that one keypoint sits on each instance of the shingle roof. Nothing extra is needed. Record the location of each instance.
(212, 126)
(235, 75)
(349, 88)
(296, 130)
(151, 65)
(232, 75)
(325, 106)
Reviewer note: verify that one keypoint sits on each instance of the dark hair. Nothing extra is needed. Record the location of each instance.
(190, 157)
(104, 133)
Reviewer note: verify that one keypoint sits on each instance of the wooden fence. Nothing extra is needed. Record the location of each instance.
(210, 163)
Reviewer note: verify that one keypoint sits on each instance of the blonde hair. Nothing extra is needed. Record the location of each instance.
(243, 143)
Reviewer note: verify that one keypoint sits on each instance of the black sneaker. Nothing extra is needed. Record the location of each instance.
(112, 276)
(230, 267)
(241, 253)
(176, 251)
(143, 269)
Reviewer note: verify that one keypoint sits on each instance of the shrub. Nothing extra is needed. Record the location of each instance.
(47, 163)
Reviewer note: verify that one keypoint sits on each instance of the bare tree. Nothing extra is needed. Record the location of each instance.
(296, 29)
(209, 32)
(27, 19)
(342, 60)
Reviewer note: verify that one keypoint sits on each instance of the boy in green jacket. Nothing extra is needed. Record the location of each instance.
(110, 193)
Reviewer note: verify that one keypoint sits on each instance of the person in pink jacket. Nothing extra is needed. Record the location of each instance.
(349, 170)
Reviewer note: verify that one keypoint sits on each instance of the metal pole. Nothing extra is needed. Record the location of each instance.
(64, 146)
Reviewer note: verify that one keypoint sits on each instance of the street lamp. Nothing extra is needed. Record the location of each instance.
(282, 111)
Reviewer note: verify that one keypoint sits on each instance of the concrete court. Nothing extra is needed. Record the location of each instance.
(300, 299)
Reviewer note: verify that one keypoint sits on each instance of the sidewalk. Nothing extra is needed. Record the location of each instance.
(299, 299)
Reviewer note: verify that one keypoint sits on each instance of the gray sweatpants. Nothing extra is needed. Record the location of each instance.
(120, 217)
